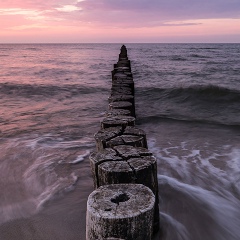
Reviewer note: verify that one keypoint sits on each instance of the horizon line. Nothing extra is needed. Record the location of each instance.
(119, 43)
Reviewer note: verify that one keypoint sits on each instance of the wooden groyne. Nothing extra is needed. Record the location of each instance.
(124, 204)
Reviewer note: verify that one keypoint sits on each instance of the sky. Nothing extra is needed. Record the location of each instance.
(119, 21)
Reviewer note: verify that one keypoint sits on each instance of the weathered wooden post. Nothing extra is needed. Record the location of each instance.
(120, 211)
(113, 136)
(116, 112)
(119, 120)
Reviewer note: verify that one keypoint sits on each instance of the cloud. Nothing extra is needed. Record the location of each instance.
(26, 27)
(68, 8)
(19, 11)
(183, 23)
(50, 12)
(137, 13)
(29, 14)
(122, 13)
(166, 6)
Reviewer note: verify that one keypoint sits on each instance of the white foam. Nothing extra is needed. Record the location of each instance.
(80, 158)
(46, 176)
(58, 188)
(51, 141)
(190, 163)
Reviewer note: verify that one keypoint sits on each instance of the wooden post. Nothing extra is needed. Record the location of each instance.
(122, 105)
(122, 97)
(98, 157)
(119, 153)
(119, 120)
(113, 136)
(134, 170)
(117, 112)
(123, 85)
(116, 90)
(120, 211)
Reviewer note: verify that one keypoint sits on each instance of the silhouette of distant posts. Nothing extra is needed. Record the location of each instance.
(125, 202)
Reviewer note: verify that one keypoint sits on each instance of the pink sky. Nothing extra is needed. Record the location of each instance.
(83, 21)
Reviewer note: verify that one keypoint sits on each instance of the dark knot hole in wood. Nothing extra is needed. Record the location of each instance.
(120, 198)
(108, 209)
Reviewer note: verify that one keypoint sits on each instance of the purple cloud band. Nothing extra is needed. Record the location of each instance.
(132, 13)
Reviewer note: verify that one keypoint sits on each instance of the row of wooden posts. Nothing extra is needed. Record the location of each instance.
(124, 204)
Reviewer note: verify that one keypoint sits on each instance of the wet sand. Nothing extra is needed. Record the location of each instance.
(62, 218)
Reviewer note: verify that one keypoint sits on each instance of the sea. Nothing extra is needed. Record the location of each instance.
(52, 99)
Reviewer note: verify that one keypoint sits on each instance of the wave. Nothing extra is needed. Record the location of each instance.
(33, 49)
(178, 58)
(31, 90)
(198, 56)
(155, 119)
(208, 92)
(207, 104)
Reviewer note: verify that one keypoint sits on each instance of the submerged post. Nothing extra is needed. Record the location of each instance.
(122, 161)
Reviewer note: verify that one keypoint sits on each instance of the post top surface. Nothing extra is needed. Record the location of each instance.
(120, 200)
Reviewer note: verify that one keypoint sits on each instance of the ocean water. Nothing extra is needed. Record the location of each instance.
(52, 98)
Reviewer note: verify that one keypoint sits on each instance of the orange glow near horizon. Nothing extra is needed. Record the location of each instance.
(75, 21)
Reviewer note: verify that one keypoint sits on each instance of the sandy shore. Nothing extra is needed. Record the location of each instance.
(61, 219)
